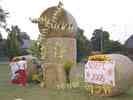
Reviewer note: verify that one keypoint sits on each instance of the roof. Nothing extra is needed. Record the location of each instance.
(129, 42)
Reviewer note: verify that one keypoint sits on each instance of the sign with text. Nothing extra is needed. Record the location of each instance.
(100, 72)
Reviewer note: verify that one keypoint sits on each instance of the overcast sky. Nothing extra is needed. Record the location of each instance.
(115, 16)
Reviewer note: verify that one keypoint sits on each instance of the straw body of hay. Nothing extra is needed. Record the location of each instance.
(123, 74)
(54, 74)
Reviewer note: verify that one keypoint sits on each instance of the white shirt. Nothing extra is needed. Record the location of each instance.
(14, 68)
(22, 64)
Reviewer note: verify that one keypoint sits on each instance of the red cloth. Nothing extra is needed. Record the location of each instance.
(22, 79)
(15, 81)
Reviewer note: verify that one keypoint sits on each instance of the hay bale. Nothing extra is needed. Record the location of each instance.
(123, 74)
(76, 72)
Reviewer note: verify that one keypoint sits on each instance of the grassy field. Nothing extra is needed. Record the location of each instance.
(10, 92)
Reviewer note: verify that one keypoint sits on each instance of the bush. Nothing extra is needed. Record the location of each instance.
(67, 67)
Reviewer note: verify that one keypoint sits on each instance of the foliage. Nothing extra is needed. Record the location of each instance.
(13, 45)
(15, 40)
(101, 42)
(67, 67)
(0, 37)
(83, 45)
(20, 35)
(35, 49)
(98, 36)
(2, 47)
(3, 16)
(114, 47)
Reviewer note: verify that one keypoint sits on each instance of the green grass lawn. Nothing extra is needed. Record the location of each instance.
(10, 92)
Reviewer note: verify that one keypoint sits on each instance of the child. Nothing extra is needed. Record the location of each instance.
(14, 69)
(22, 72)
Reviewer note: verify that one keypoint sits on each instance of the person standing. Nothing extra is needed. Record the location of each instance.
(23, 72)
(14, 68)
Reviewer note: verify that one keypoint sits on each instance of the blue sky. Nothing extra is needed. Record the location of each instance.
(114, 16)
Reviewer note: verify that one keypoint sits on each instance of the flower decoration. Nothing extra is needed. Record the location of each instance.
(100, 57)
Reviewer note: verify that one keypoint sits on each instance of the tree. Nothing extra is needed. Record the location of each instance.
(114, 47)
(35, 49)
(98, 39)
(1, 37)
(22, 38)
(83, 45)
(101, 42)
(13, 45)
(2, 46)
(3, 16)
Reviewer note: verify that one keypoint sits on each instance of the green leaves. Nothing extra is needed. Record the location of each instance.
(13, 45)
(101, 42)
(67, 67)
(35, 49)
